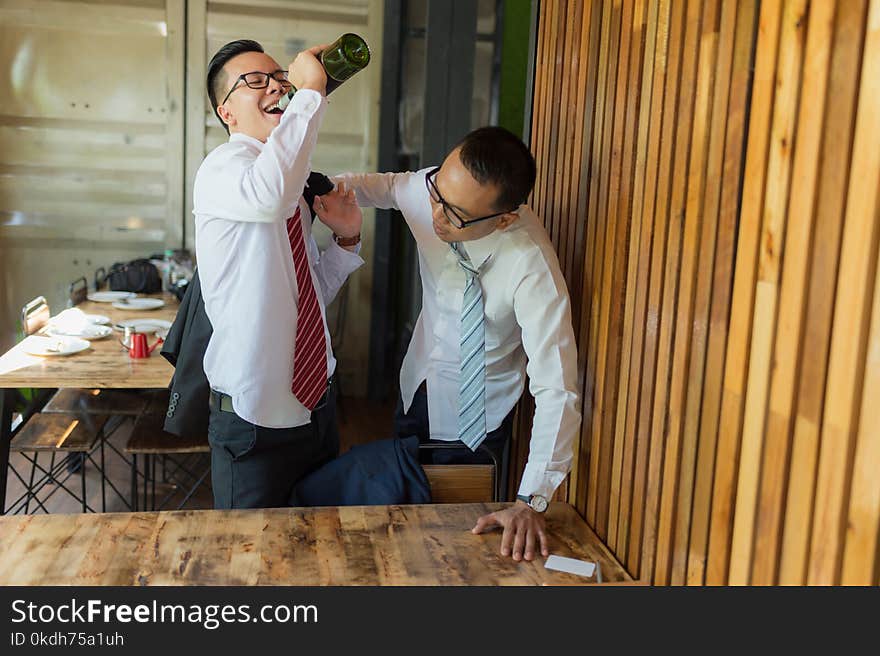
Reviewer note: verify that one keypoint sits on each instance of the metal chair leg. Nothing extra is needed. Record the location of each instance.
(134, 477)
(30, 487)
(82, 469)
(146, 479)
(103, 477)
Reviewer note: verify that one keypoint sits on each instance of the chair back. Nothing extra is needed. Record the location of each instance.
(77, 291)
(100, 277)
(462, 483)
(34, 315)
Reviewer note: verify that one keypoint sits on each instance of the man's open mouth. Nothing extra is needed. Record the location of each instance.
(273, 109)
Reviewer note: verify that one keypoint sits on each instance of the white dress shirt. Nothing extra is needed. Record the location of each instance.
(244, 192)
(527, 322)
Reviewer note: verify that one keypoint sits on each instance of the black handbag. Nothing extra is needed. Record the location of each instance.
(139, 276)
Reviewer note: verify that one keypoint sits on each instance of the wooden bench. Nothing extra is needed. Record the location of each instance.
(56, 432)
(73, 436)
(97, 402)
(148, 439)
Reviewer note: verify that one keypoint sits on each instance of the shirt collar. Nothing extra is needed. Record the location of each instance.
(481, 250)
(240, 136)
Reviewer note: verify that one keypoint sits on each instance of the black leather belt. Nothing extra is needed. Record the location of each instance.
(223, 402)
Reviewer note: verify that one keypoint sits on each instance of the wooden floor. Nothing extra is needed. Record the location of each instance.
(360, 421)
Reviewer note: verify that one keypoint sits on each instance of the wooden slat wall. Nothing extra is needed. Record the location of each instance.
(708, 172)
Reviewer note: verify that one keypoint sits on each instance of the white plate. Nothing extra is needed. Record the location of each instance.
(97, 318)
(38, 345)
(144, 325)
(90, 331)
(109, 297)
(139, 304)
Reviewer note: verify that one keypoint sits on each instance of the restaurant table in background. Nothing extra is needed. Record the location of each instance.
(104, 365)
(354, 545)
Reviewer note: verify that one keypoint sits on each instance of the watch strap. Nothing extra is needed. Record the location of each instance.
(530, 501)
(347, 241)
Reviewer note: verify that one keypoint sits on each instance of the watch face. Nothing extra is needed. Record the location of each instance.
(539, 503)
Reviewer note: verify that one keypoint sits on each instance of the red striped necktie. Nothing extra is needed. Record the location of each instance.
(310, 347)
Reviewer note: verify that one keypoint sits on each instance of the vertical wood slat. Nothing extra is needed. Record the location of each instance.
(693, 256)
(858, 263)
(609, 332)
(860, 566)
(591, 19)
(539, 108)
(576, 239)
(658, 256)
(557, 83)
(586, 199)
(642, 75)
(720, 436)
(569, 121)
(665, 357)
(841, 101)
(786, 351)
(772, 239)
(739, 336)
(589, 332)
(644, 214)
(545, 76)
(710, 403)
(711, 203)
(605, 254)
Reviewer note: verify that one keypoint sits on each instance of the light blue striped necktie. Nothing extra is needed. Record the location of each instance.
(472, 346)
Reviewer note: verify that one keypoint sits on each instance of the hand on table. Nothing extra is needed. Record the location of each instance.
(524, 529)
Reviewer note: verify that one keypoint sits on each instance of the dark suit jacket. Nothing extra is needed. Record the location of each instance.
(184, 348)
(385, 472)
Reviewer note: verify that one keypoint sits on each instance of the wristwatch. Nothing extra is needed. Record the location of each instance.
(347, 241)
(536, 502)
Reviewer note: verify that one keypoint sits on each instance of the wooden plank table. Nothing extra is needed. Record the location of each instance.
(104, 365)
(356, 545)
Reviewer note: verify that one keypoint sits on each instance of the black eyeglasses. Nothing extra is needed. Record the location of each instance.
(258, 80)
(451, 215)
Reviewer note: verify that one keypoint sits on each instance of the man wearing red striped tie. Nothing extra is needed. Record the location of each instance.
(264, 283)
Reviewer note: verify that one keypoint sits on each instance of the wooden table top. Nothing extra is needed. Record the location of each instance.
(356, 545)
(105, 365)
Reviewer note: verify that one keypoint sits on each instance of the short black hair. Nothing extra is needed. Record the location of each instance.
(496, 156)
(216, 76)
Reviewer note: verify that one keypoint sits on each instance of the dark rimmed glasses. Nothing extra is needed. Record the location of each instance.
(452, 216)
(258, 80)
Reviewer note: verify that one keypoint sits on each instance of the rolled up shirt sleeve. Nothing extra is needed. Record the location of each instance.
(543, 311)
(265, 188)
(332, 267)
(373, 189)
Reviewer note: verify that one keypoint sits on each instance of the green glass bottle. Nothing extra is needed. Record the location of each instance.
(341, 60)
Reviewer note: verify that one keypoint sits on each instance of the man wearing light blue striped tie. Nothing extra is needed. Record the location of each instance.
(472, 390)
(495, 307)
